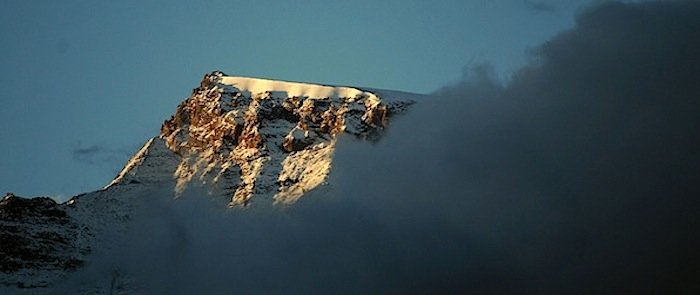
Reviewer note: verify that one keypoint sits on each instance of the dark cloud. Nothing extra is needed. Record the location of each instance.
(578, 176)
(591, 152)
(87, 151)
(98, 154)
(539, 6)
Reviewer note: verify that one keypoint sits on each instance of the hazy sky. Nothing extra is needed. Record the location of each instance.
(85, 83)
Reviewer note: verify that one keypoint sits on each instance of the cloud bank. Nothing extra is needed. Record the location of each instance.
(577, 176)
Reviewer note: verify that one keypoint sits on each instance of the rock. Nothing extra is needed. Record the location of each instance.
(37, 241)
(297, 140)
(262, 125)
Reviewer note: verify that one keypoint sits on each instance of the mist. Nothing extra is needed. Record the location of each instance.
(579, 175)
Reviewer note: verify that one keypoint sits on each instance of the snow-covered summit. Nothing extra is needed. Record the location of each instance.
(245, 137)
(315, 91)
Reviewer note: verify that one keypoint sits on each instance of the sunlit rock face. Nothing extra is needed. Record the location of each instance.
(257, 140)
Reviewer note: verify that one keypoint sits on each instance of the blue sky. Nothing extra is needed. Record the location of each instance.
(84, 84)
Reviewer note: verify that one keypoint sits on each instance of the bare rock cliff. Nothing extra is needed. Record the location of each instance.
(256, 139)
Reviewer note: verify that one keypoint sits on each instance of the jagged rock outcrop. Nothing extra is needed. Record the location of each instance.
(246, 137)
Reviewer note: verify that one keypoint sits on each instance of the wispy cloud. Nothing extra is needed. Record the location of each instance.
(98, 154)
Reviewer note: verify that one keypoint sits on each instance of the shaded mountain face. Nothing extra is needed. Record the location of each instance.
(245, 141)
(38, 237)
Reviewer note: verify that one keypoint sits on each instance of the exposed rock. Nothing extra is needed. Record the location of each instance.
(37, 241)
(297, 140)
(258, 126)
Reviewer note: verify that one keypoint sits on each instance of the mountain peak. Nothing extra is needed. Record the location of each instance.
(243, 137)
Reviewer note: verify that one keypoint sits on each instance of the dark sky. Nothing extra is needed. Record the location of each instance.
(578, 176)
